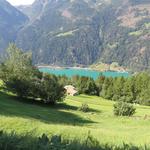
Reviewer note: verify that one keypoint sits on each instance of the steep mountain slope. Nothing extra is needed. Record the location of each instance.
(62, 33)
(127, 34)
(11, 21)
(66, 32)
(70, 32)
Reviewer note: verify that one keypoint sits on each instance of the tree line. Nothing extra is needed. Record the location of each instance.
(134, 89)
(22, 78)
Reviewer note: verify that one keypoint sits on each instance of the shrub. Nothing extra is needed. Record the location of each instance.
(84, 107)
(48, 89)
(123, 109)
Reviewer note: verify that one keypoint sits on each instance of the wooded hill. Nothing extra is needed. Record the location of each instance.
(70, 32)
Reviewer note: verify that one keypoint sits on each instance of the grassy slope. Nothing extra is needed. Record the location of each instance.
(64, 119)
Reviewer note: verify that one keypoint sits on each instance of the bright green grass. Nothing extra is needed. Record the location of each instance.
(66, 33)
(66, 120)
(136, 33)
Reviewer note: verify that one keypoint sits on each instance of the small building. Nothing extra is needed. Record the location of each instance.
(71, 90)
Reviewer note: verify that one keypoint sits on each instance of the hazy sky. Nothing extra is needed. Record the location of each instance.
(20, 2)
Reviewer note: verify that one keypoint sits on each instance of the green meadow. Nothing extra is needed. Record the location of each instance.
(24, 117)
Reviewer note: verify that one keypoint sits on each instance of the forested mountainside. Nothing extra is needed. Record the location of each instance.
(69, 32)
(11, 20)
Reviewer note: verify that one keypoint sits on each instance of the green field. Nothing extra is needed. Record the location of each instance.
(64, 119)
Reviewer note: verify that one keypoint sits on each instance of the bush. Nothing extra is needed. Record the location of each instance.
(84, 107)
(48, 89)
(123, 109)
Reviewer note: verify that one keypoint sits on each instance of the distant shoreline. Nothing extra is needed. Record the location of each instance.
(86, 68)
(61, 67)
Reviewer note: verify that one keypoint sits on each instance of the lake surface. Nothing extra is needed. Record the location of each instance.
(83, 72)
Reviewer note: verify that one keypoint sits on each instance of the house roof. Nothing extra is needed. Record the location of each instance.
(69, 87)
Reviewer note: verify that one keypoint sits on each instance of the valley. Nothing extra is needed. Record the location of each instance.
(75, 75)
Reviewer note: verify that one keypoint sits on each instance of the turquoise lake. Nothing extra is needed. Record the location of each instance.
(83, 72)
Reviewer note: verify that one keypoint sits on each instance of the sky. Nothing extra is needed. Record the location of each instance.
(20, 2)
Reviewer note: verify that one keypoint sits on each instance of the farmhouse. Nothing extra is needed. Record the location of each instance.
(71, 90)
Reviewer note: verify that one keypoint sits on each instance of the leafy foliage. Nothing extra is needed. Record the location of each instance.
(17, 71)
(23, 79)
(84, 107)
(123, 109)
(48, 89)
(14, 142)
(134, 89)
(84, 85)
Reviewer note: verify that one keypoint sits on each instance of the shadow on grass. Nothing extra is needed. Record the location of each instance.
(64, 106)
(25, 108)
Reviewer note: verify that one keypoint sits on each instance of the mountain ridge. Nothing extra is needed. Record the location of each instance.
(70, 32)
(11, 21)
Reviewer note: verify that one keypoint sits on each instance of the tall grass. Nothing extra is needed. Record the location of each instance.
(14, 142)
(22, 116)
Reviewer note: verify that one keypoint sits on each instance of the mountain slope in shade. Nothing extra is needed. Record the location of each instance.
(58, 30)
(11, 20)
(65, 32)
(70, 32)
